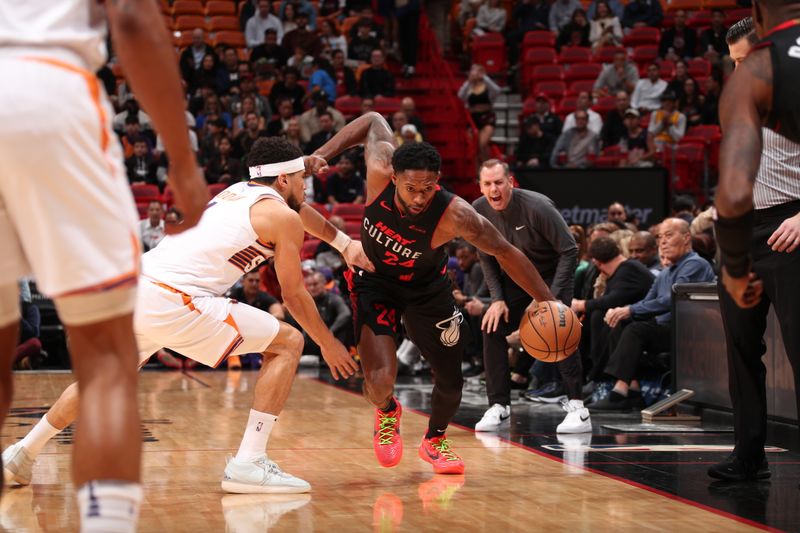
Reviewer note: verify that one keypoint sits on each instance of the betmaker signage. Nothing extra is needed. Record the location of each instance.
(582, 196)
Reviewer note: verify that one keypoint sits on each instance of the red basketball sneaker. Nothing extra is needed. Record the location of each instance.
(386, 439)
(437, 452)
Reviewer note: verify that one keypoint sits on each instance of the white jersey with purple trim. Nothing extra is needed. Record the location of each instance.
(208, 259)
(76, 28)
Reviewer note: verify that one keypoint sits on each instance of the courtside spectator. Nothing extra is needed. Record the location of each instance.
(346, 185)
(606, 29)
(309, 120)
(584, 103)
(376, 80)
(332, 309)
(152, 228)
(713, 45)
(249, 292)
(561, 13)
(270, 51)
(535, 146)
(550, 123)
(261, 22)
(643, 247)
(141, 166)
(646, 96)
(192, 56)
(289, 88)
(479, 93)
(576, 31)
(678, 42)
(645, 325)
(615, 214)
(576, 144)
(641, 13)
(667, 124)
(619, 75)
(614, 126)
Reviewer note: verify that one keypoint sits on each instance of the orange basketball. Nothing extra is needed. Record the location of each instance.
(550, 332)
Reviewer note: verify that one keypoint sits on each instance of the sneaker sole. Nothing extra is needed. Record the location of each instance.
(235, 487)
(758, 476)
(584, 428)
(454, 470)
(555, 399)
(493, 428)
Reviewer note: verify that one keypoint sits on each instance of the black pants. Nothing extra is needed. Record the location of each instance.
(495, 360)
(408, 37)
(744, 331)
(628, 342)
(598, 347)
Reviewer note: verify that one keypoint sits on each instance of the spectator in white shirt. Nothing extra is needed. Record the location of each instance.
(261, 22)
(647, 94)
(561, 13)
(583, 104)
(151, 229)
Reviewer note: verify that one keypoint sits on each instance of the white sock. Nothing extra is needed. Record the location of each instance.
(256, 435)
(35, 440)
(577, 404)
(109, 506)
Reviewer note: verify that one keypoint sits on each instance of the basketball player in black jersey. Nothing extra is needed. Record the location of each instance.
(408, 220)
(762, 92)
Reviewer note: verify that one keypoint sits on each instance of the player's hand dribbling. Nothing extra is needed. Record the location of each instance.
(354, 256)
(191, 195)
(491, 319)
(787, 237)
(339, 360)
(745, 291)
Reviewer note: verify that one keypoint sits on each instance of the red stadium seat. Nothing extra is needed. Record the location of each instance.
(528, 107)
(548, 73)
(608, 161)
(699, 19)
(142, 209)
(352, 227)
(686, 5)
(644, 54)
(699, 67)
(688, 162)
(583, 71)
(349, 106)
(349, 211)
(667, 69)
(552, 89)
(168, 197)
(720, 4)
(182, 40)
(489, 50)
(538, 39)
(321, 209)
(577, 87)
(386, 105)
(566, 106)
(187, 7)
(732, 16)
(217, 7)
(143, 192)
(539, 56)
(641, 36)
(606, 54)
(190, 22)
(216, 188)
(309, 249)
(574, 54)
(605, 104)
(231, 38)
(223, 23)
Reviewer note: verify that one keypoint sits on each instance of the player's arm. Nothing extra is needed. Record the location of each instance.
(462, 220)
(282, 226)
(746, 99)
(148, 58)
(371, 130)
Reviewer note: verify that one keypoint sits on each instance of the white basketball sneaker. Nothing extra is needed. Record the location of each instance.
(17, 465)
(577, 419)
(260, 476)
(494, 417)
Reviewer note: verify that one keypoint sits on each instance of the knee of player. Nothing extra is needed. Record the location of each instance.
(380, 379)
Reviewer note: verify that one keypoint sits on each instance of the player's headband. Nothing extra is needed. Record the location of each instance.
(276, 169)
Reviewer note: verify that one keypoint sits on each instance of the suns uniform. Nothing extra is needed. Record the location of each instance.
(180, 304)
(66, 210)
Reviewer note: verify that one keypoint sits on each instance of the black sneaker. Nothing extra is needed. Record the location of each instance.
(614, 402)
(735, 468)
(552, 392)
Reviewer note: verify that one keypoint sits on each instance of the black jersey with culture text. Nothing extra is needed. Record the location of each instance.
(784, 44)
(400, 246)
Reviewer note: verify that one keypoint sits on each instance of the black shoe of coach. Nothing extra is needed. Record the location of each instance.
(736, 469)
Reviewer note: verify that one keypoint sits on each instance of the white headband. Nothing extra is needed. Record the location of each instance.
(276, 169)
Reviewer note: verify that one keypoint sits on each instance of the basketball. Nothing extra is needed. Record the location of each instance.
(550, 332)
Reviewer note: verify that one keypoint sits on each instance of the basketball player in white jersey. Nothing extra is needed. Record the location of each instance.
(180, 306)
(67, 215)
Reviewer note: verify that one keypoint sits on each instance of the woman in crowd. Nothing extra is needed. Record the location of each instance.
(479, 93)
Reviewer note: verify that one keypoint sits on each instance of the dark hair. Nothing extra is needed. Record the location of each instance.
(740, 30)
(326, 113)
(270, 31)
(416, 156)
(267, 150)
(139, 139)
(132, 119)
(683, 202)
(462, 244)
(291, 70)
(597, 11)
(603, 249)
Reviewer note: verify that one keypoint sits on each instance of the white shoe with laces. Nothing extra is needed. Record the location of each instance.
(260, 476)
(494, 417)
(17, 465)
(577, 419)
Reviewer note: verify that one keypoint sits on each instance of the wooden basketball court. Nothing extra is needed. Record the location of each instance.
(193, 420)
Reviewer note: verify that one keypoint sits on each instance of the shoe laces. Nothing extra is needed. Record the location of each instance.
(271, 467)
(567, 405)
(386, 430)
(443, 447)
